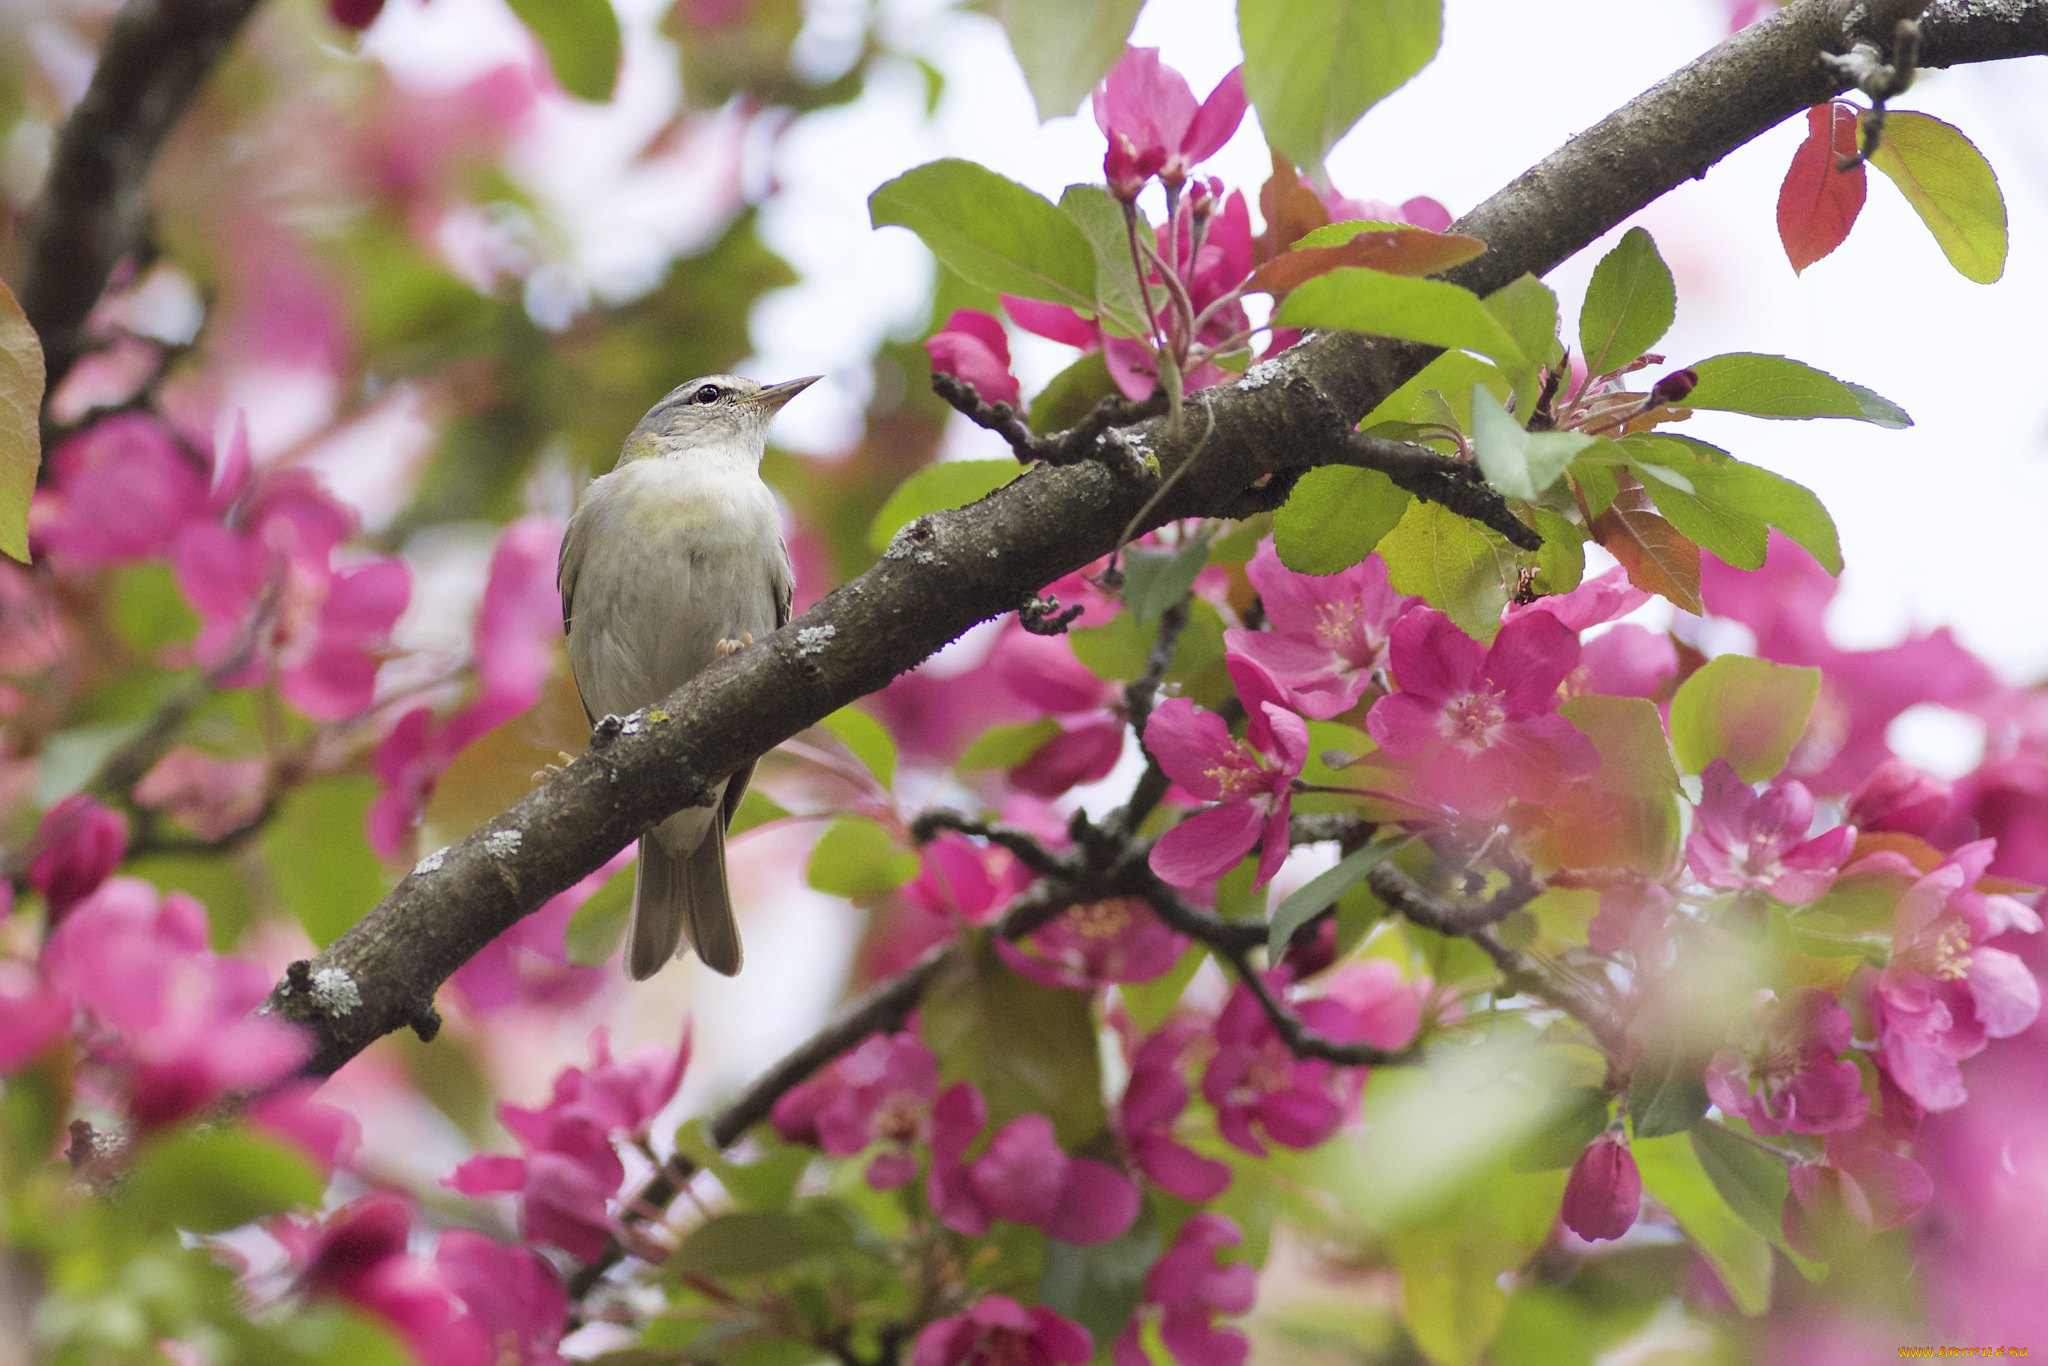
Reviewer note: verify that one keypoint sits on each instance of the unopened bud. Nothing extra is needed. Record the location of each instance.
(1674, 387)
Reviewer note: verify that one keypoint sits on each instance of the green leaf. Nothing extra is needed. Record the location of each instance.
(856, 857)
(1726, 530)
(1440, 393)
(1747, 711)
(1155, 578)
(1724, 499)
(1527, 308)
(1099, 1286)
(1307, 901)
(1671, 1172)
(1752, 1181)
(1313, 67)
(319, 857)
(1778, 387)
(581, 38)
(869, 740)
(1071, 395)
(1120, 300)
(936, 488)
(1629, 306)
(1453, 1299)
(768, 1182)
(1434, 312)
(1065, 46)
(148, 610)
(1007, 746)
(1454, 566)
(1635, 758)
(1334, 518)
(1520, 464)
(597, 926)
(1665, 1095)
(992, 231)
(1027, 1047)
(1951, 186)
(21, 406)
(757, 808)
(1561, 563)
(760, 1242)
(207, 1181)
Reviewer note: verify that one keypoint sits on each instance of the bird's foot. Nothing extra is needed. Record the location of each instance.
(547, 771)
(606, 729)
(726, 647)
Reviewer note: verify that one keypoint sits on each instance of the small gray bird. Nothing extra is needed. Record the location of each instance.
(672, 559)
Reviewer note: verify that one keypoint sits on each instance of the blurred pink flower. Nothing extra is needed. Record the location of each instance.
(36, 636)
(78, 844)
(323, 623)
(972, 346)
(1021, 1176)
(1604, 1192)
(880, 1093)
(1745, 839)
(1944, 994)
(355, 14)
(511, 1294)
(570, 1171)
(1786, 1070)
(1187, 1289)
(172, 1022)
(997, 1331)
(1420, 211)
(1626, 661)
(1096, 943)
(325, 1133)
(1481, 723)
(1250, 780)
(32, 1016)
(1042, 672)
(517, 627)
(1864, 1186)
(120, 491)
(212, 797)
(1899, 797)
(358, 1254)
(1154, 127)
(1326, 635)
(1154, 1099)
(528, 965)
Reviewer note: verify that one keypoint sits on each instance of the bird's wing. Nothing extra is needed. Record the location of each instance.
(566, 565)
(782, 583)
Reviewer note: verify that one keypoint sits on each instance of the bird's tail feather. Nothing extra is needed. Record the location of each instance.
(678, 894)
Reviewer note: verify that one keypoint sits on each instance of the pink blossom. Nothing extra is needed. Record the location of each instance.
(1601, 599)
(355, 14)
(36, 636)
(510, 1293)
(1865, 1185)
(570, 1171)
(517, 627)
(972, 346)
(1250, 780)
(1944, 994)
(1042, 672)
(1787, 1071)
(210, 796)
(1326, 636)
(32, 1016)
(1021, 1176)
(1147, 112)
(1420, 211)
(78, 843)
(528, 965)
(1260, 1090)
(997, 1331)
(121, 490)
(1095, 943)
(1187, 1289)
(1213, 274)
(1154, 1099)
(1899, 797)
(1745, 839)
(1605, 1191)
(879, 1094)
(1626, 661)
(325, 1133)
(1634, 917)
(1481, 723)
(358, 1254)
(171, 1019)
(322, 625)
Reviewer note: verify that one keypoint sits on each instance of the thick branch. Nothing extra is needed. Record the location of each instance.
(946, 572)
(91, 212)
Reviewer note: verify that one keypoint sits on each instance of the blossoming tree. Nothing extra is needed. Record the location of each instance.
(1350, 903)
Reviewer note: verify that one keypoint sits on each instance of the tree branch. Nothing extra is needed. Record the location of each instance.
(91, 211)
(946, 572)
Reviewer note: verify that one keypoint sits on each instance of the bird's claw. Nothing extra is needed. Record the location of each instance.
(547, 771)
(726, 647)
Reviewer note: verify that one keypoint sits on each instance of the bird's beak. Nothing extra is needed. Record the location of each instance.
(775, 395)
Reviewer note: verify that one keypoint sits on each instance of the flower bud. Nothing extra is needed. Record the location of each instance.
(1899, 797)
(81, 842)
(1605, 1191)
(1674, 387)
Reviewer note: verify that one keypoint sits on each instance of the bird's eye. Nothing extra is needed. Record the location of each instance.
(709, 393)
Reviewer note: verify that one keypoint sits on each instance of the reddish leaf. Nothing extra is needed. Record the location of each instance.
(1657, 558)
(1290, 208)
(1397, 251)
(1817, 205)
